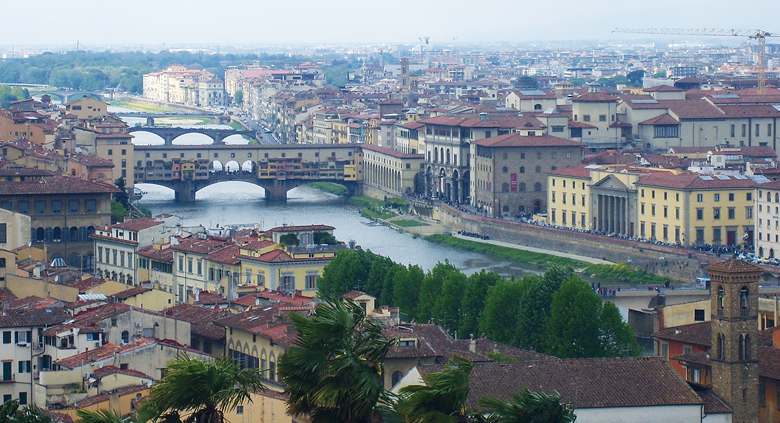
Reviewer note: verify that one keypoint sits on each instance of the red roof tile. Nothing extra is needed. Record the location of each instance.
(517, 140)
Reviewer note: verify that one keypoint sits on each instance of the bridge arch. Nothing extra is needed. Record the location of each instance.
(217, 166)
(192, 138)
(147, 138)
(248, 166)
(232, 166)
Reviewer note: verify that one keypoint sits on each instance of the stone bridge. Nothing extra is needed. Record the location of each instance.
(67, 95)
(277, 168)
(171, 133)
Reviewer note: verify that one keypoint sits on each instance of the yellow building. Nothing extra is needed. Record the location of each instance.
(664, 205)
(696, 209)
(86, 108)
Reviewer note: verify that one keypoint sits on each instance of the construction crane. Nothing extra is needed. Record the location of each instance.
(755, 34)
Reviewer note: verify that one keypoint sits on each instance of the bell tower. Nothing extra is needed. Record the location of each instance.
(734, 353)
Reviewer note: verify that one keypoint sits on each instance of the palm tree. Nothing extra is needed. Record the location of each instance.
(100, 416)
(443, 397)
(204, 389)
(333, 373)
(529, 407)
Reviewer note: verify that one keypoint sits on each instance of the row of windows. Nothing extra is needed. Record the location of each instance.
(757, 132)
(538, 169)
(73, 234)
(52, 207)
(565, 221)
(699, 197)
(573, 183)
(115, 257)
(664, 232)
(573, 198)
(249, 154)
(716, 213)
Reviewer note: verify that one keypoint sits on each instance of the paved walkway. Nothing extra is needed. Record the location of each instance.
(534, 249)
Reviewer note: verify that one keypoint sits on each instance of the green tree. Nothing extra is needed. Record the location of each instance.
(528, 407)
(324, 238)
(238, 97)
(498, 320)
(447, 308)
(204, 390)
(118, 212)
(443, 397)
(100, 416)
(347, 271)
(333, 371)
(379, 267)
(534, 307)
(661, 74)
(572, 330)
(431, 288)
(473, 302)
(407, 290)
(635, 78)
(289, 239)
(617, 338)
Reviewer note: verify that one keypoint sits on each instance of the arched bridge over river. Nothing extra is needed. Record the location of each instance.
(277, 168)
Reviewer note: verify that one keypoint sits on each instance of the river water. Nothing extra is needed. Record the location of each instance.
(243, 204)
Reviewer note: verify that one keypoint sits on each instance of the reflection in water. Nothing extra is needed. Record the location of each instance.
(243, 204)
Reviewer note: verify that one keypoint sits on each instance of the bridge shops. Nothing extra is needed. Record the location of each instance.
(277, 168)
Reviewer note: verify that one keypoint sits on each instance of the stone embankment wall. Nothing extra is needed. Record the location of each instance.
(679, 264)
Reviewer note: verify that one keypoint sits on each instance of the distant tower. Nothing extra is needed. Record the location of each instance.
(734, 353)
(405, 75)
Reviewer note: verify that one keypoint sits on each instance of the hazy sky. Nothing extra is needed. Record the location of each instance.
(175, 22)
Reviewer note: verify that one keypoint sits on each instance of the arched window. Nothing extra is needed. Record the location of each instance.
(505, 209)
(521, 209)
(537, 106)
(744, 293)
(538, 186)
(721, 295)
(57, 234)
(505, 169)
(538, 169)
(521, 187)
(505, 187)
(777, 197)
(721, 346)
(48, 235)
(744, 347)
(74, 234)
(522, 169)
(125, 337)
(39, 234)
(396, 377)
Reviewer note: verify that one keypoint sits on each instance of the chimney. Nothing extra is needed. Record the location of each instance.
(472, 344)
(483, 116)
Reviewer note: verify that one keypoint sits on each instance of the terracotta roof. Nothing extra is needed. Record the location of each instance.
(594, 98)
(351, 295)
(712, 403)
(84, 285)
(90, 318)
(56, 185)
(162, 254)
(110, 370)
(750, 111)
(662, 88)
(391, 152)
(132, 292)
(33, 317)
(576, 124)
(693, 181)
(585, 383)
(6, 294)
(696, 333)
(734, 266)
(517, 140)
(663, 119)
(227, 255)
(201, 246)
(137, 224)
(579, 171)
(32, 301)
(201, 319)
